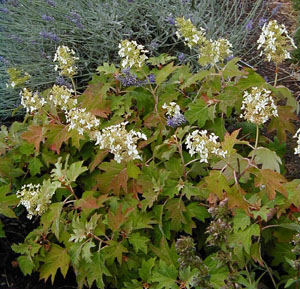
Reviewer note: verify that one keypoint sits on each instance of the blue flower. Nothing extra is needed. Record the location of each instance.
(153, 45)
(3, 60)
(62, 82)
(48, 18)
(76, 19)
(249, 25)
(171, 20)
(50, 36)
(151, 78)
(229, 57)
(176, 120)
(128, 79)
(262, 21)
(181, 57)
(51, 3)
(4, 10)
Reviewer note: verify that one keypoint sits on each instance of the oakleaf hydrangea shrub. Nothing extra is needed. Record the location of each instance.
(126, 200)
(31, 31)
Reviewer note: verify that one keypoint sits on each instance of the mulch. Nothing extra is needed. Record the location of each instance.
(16, 230)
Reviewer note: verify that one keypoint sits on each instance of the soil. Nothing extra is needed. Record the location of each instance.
(16, 230)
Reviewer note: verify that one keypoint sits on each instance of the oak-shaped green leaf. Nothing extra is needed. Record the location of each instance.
(116, 251)
(187, 275)
(133, 170)
(86, 251)
(107, 68)
(197, 111)
(26, 264)
(75, 170)
(250, 80)
(51, 218)
(165, 276)
(231, 69)
(240, 220)
(244, 237)
(145, 272)
(195, 78)
(176, 209)
(56, 258)
(139, 242)
(197, 211)
(269, 159)
(26, 148)
(96, 270)
(163, 74)
(133, 284)
(35, 166)
(6, 201)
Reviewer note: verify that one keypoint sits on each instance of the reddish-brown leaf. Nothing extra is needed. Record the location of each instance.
(102, 112)
(272, 181)
(93, 99)
(236, 198)
(115, 221)
(119, 181)
(34, 135)
(230, 140)
(100, 156)
(283, 123)
(217, 184)
(114, 177)
(56, 135)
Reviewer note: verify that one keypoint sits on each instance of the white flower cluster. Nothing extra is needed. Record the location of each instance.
(120, 142)
(132, 54)
(275, 42)
(66, 61)
(31, 101)
(34, 200)
(215, 51)
(192, 37)
(210, 51)
(172, 108)
(81, 120)
(258, 106)
(205, 145)
(62, 97)
(297, 136)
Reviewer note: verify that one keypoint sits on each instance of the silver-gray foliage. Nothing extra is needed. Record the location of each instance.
(31, 30)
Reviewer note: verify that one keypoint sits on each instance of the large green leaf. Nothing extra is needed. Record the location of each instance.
(163, 74)
(35, 166)
(7, 201)
(197, 111)
(165, 276)
(56, 258)
(145, 272)
(139, 242)
(52, 218)
(267, 158)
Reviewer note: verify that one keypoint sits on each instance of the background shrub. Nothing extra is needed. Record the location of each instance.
(31, 31)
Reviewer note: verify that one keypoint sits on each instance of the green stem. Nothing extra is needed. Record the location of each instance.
(256, 143)
(276, 75)
(74, 86)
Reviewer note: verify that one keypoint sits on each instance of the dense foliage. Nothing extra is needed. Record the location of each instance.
(155, 176)
(32, 30)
